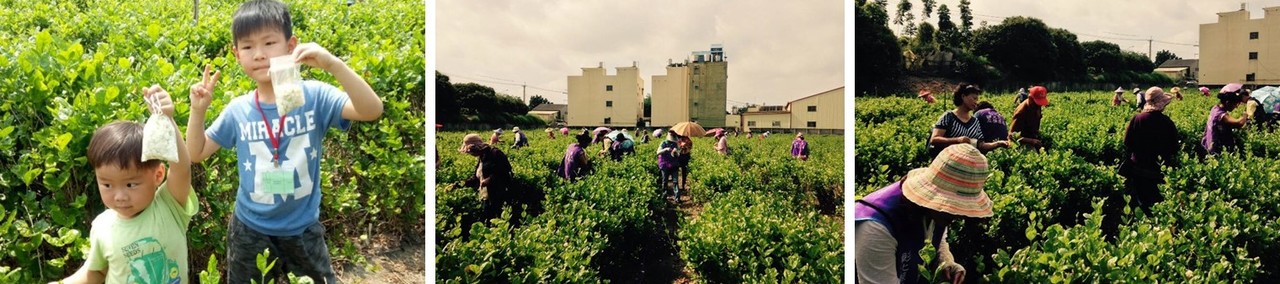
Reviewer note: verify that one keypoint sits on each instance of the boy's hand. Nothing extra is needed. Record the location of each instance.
(201, 93)
(157, 95)
(313, 55)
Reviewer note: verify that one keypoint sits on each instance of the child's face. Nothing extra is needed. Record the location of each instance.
(255, 51)
(128, 191)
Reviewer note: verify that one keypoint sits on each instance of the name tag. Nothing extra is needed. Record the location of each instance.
(278, 180)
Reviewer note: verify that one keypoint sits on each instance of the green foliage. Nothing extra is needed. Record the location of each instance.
(748, 236)
(604, 226)
(1217, 224)
(880, 56)
(72, 66)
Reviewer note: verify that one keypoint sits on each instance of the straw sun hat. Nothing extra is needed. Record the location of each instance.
(952, 183)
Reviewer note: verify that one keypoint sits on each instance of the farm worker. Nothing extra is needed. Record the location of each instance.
(891, 224)
(619, 146)
(276, 214)
(643, 138)
(722, 143)
(551, 134)
(682, 161)
(575, 164)
(520, 140)
(1022, 96)
(1177, 93)
(143, 207)
(493, 174)
(994, 127)
(927, 96)
(669, 165)
(1119, 97)
(800, 147)
(1138, 97)
(1026, 119)
(958, 126)
(1219, 130)
(496, 138)
(1204, 91)
(1150, 140)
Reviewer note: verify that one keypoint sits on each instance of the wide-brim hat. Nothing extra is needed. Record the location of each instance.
(468, 141)
(952, 183)
(1120, 90)
(1231, 88)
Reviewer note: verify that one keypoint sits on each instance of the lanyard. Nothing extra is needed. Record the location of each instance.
(275, 139)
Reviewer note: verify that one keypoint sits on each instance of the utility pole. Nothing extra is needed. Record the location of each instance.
(523, 95)
(1152, 55)
(195, 12)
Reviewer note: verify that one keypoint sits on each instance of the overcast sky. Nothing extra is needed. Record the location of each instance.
(1173, 25)
(778, 51)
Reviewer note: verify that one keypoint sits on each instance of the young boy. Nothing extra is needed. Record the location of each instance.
(142, 237)
(277, 154)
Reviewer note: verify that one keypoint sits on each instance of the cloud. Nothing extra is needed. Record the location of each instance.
(777, 51)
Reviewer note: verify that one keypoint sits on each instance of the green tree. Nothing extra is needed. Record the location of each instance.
(1070, 61)
(536, 100)
(1021, 47)
(1136, 62)
(446, 100)
(879, 56)
(903, 15)
(1165, 55)
(966, 17)
(1101, 57)
(648, 105)
(928, 7)
(948, 35)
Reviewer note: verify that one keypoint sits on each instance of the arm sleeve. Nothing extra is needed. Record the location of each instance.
(943, 122)
(96, 260)
(329, 104)
(873, 258)
(181, 213)
(224, 130)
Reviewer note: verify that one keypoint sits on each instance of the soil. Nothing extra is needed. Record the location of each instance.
(390, 260)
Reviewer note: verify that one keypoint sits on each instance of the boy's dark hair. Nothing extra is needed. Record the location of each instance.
(584, 139)
(118, 144)
(957, 98)
(256, 15)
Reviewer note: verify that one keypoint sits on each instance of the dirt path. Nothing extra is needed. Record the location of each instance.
(390, 261)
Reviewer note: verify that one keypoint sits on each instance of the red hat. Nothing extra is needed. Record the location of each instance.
(1040, 95)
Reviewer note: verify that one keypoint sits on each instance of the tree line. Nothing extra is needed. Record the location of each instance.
(1017, 51)
(476, 104)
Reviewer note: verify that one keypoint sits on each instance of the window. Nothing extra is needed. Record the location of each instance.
(608, 103)
(608, 88)
(811, 124)
(777, 123)
(1253, 35)
(813, 108)
(608, 120)
(1253, 55)
(695, 104)
(751, 123)
(695, 70)
(1249, 77)
(695, 87)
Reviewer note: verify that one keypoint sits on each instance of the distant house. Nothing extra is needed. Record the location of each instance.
(551, 113)
(818, 113)
(1180, 69)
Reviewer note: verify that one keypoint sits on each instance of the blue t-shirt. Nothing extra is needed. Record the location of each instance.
(240, 126)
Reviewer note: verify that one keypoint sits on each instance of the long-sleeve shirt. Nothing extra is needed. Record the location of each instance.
(1151, 140)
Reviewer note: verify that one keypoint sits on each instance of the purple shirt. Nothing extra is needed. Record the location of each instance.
(1216, 134)
(799, 147)
(569, 166)
(667, 161)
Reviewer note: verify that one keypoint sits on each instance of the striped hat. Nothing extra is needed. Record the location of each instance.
(952, 183)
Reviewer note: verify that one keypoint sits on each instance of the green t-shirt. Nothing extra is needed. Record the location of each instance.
(150, 248)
